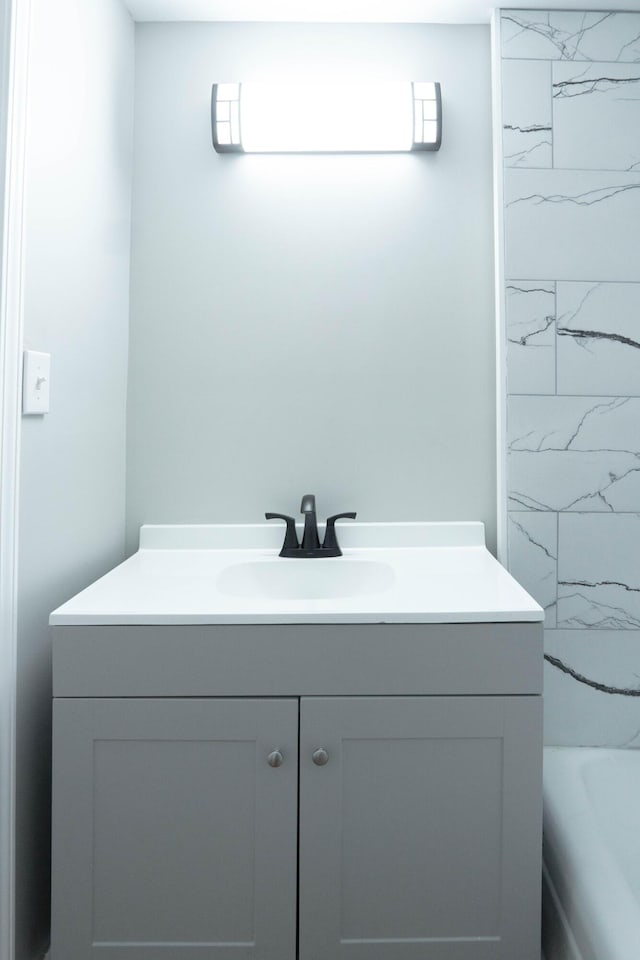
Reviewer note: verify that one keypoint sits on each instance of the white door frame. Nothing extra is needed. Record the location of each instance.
(14, 58)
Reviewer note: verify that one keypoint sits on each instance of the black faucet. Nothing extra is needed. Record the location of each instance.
(310, 546)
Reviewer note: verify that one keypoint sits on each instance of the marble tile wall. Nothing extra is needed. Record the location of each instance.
(571, 154)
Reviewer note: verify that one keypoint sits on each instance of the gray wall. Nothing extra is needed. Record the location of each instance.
(4, 72)
(78, 183)
(572, 238)
(310, 323)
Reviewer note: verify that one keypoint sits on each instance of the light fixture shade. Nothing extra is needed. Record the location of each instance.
(366, 117)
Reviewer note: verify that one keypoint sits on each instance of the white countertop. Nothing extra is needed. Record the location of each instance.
(425, 573)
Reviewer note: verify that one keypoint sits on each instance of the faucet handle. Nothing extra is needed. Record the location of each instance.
(290, 537)
(330, 542)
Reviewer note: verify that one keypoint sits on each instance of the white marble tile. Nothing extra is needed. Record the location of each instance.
(531, 337)
(533, 555)
(577, 714)
(596, 116)
(574, 453)
(599, 571)
(571, 35)
(578, 452)
(598, 344)
(572, 224)
(526, 113)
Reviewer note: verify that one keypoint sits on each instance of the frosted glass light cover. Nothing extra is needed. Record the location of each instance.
(367, 117)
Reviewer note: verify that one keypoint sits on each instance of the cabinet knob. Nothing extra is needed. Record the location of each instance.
(320, 757)
(275, 759)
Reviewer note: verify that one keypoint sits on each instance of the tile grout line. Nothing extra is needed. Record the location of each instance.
(555, 330)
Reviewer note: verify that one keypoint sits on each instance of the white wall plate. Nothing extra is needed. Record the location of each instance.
(36, 379)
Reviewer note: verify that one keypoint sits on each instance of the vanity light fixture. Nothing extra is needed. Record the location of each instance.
(368, 117)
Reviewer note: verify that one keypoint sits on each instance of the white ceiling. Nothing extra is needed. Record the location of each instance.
(350, 11)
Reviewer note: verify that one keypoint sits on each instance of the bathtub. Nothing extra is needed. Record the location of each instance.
(591, 854)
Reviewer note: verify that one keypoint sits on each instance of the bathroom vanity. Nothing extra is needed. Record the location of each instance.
(311, 764)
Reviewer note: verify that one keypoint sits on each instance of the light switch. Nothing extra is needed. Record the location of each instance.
(36, 376)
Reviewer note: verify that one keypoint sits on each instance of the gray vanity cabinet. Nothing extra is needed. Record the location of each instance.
(356, 793)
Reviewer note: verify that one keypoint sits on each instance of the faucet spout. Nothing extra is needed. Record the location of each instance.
(310, 538)
(308, 504)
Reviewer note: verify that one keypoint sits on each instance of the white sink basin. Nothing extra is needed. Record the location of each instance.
(232, 574)
(283, 579)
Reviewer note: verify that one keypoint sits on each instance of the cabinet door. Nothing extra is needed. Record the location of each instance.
(420, 835)
(173, 836)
